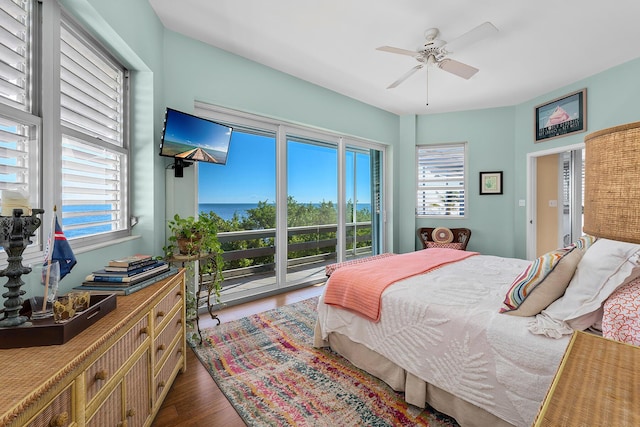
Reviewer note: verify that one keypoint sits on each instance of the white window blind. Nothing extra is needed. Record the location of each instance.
(91, 90)
(18, 127)
(94, 153)
(15, 54)
(441, 180)
(15, 165)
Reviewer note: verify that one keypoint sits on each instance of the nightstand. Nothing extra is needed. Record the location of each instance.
(597, 384)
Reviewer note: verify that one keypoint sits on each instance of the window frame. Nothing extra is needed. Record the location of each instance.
(420, 212)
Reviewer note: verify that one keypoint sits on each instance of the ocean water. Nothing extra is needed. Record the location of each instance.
(226, 210)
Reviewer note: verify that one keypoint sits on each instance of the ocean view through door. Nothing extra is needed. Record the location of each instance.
(242, 194)
(312, 204)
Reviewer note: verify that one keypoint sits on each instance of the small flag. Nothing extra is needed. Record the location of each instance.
(61, 251)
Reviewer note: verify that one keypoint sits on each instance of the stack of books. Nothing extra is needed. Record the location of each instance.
(127, 275)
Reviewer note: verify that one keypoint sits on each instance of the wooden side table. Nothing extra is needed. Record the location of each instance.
(203, 291)
(597, 384)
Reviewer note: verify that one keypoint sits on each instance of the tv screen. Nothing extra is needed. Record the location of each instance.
(193, 138)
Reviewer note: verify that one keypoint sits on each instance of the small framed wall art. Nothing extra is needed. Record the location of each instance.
(562, 116)
(490, 183)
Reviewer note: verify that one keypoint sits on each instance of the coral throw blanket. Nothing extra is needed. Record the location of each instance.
(359, 287)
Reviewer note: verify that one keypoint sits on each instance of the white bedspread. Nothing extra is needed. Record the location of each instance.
(444, 327)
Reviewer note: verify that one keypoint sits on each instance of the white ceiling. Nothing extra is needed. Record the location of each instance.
(541, 45)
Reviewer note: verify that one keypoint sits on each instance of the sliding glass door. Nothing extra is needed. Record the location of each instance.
(312, 201)
(363, 195)
(242, 194)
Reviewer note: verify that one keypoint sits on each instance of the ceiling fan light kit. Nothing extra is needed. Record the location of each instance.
(436, 51)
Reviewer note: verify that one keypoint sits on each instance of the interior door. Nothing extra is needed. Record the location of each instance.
(556, 194)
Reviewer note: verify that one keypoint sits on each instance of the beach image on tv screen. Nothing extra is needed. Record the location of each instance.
(192, 138)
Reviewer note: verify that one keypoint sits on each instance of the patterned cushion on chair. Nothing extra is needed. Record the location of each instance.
(458, 246)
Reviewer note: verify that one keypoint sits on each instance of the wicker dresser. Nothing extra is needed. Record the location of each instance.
(115, 373)
(597, 384)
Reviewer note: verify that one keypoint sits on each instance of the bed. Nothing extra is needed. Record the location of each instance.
(461, 336)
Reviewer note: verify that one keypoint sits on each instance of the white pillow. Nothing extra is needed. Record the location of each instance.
(605, 266)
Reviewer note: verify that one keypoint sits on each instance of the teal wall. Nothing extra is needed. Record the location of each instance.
(173, 70)
(489, 135)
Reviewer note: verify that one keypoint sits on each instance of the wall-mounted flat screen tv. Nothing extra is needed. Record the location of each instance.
(189, 138)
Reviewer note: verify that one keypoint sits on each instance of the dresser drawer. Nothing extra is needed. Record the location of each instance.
(164, 307)
(109, 414)
(164, 339)
(58, 413)
(171, 365)
(105, 367)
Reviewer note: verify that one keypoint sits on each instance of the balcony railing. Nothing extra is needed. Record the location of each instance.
(323, 240)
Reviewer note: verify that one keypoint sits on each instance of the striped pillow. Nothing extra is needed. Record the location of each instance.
(585, 242)
(542, 282)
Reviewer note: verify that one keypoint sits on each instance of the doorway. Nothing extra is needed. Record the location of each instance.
(554, 195)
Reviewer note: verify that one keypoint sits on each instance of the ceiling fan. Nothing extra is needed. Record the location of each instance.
(436, 51)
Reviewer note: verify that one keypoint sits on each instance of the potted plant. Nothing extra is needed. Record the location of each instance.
(197, 239)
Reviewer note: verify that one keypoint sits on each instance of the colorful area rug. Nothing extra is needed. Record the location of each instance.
(267, 367)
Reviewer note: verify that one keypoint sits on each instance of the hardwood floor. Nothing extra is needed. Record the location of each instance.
(194, 399)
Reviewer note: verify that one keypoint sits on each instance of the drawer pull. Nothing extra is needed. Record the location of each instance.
(179, 322)
(131, 413)
(179, 293)
(161, 384)
(59, 420)
(160, 313)
(144, 331)
(161, 347)
(101, 375)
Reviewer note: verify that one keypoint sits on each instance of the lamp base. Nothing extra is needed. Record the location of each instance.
(14, 321)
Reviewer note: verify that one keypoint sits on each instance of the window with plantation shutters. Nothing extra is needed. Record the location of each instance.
(19, 128)
(441, 180)
(94, 149)
(15, 54)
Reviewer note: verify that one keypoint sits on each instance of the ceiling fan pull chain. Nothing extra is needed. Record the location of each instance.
(427, 72)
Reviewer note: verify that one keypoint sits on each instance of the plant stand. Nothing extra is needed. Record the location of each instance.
(202, 292)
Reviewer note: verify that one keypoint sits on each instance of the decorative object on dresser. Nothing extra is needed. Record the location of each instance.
(48, 331)
(15, 234)
(116, 372)
(459, 237)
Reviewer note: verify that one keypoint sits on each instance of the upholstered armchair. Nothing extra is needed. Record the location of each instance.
(454, 238)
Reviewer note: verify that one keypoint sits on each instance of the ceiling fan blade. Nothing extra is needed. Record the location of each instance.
(397, 50)
(458, 68)
(405, 76)
(472, 36)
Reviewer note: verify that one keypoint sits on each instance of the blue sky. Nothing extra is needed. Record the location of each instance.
(250, 173)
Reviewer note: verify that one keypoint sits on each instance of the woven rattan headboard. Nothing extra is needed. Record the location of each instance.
(612, 183)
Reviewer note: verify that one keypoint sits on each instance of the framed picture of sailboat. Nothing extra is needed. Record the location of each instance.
(562, 116)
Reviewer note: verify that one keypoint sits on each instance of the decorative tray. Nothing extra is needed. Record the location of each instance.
(47, 332)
